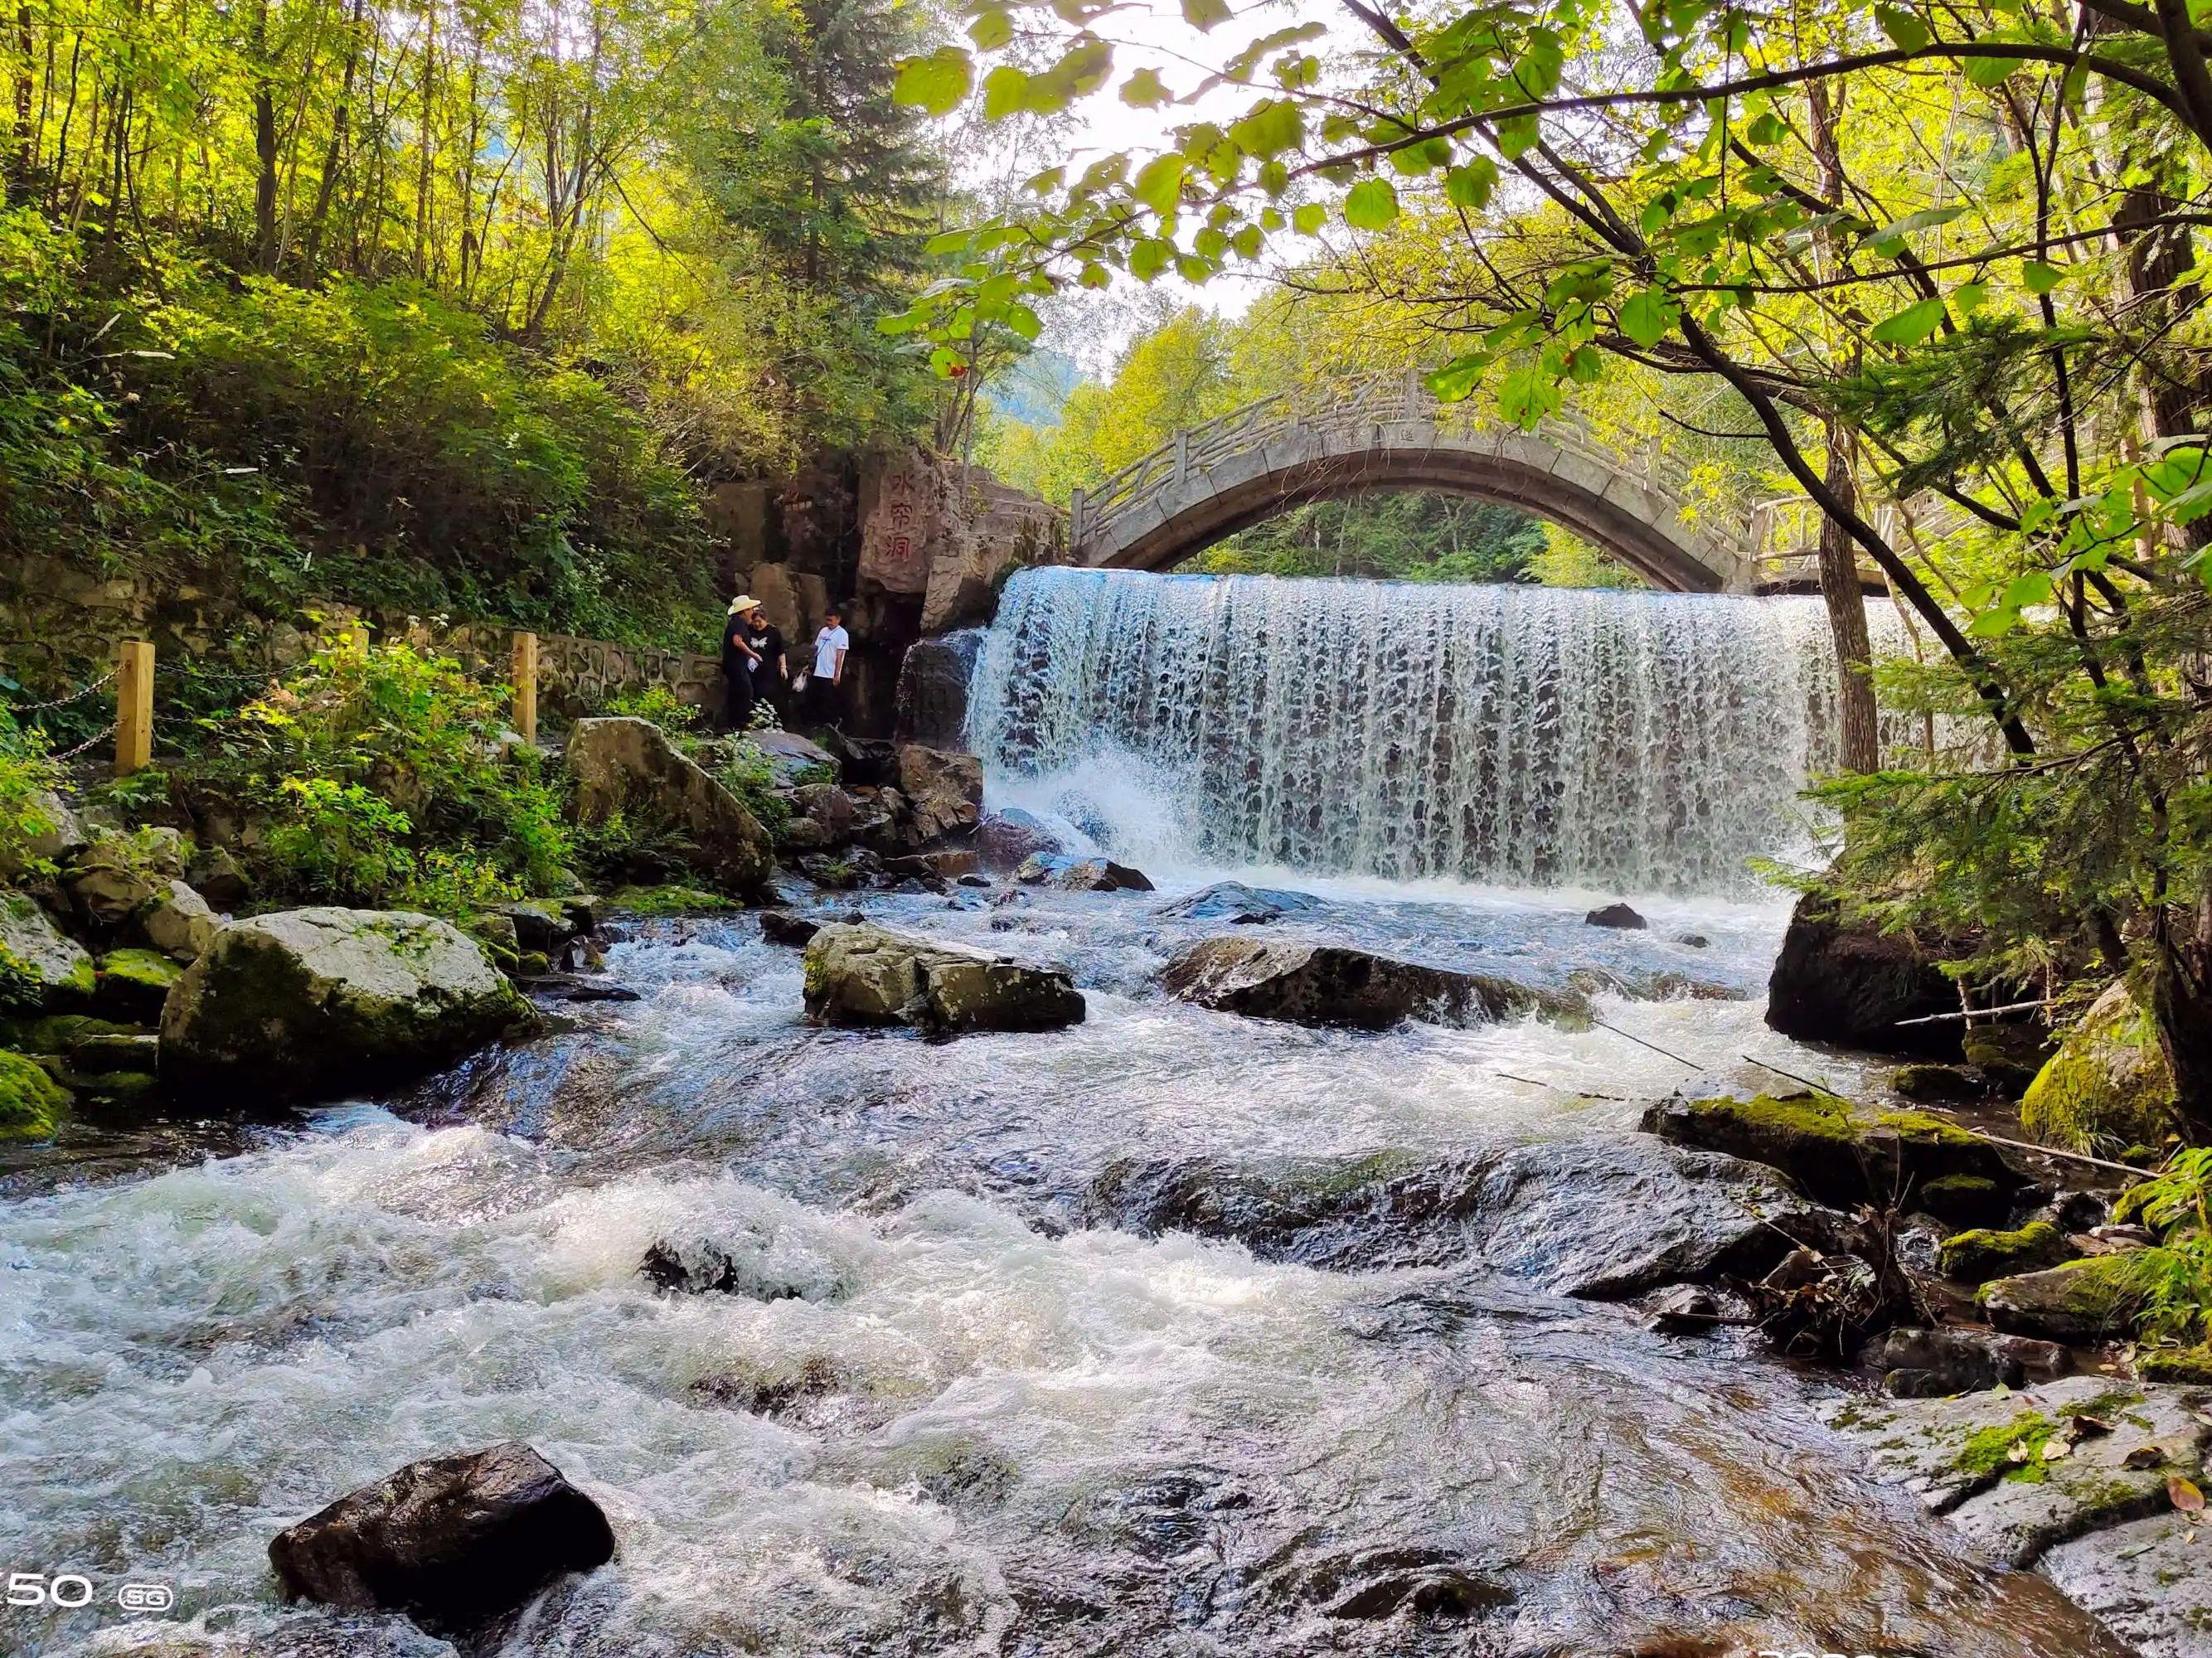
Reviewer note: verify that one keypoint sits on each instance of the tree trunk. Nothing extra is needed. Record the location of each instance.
(2181, 1011)
(265, 147)
(23, 154)
(1859, 749)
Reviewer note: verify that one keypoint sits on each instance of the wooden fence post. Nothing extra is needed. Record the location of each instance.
(526, 686)
(134, 706)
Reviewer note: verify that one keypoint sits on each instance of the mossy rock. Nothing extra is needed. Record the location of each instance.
(2009, 1055)
(1936, 1084)
(114, 1088)
(133, 983)
(32, 1103)
(1965, 1199)
(1836, 1151)
(2083, 1301)
(58, 1032)
(1976, 1256)
(42, 970)
(670, 900)
(2191, 1365)
(2107, 1087)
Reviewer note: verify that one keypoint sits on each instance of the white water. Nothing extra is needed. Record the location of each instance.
(1510, 736)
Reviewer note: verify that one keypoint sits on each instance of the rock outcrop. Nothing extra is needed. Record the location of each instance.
(2082, 1301)
(1232, 900)
(1843, 1154)
(944, 790)
(178, 921)
(1005, 840)
(1047, 869)
(1839, 980)
(863, 975)
(796, 761)
(1917, 1363)
(453, 1541)
(311, 1002)
(933, 687)
(2108, 1087)
(629, 766)
(1335, 985)
(42, 969)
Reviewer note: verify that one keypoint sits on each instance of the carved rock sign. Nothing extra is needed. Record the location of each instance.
(902, 503)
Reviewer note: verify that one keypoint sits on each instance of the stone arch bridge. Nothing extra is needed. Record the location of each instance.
(1385, 431)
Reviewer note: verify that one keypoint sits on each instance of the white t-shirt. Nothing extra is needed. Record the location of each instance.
(827, 644)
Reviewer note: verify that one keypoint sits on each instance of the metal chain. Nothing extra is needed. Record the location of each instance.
(95, 740)
(77, 695)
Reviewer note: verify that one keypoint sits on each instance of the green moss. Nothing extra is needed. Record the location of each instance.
(58, 1032)
(136, 981)
(114, 1087)
(1990, 1450)
(532, 964)
(1975, 1257)
(32, 1103)
(2192, 1364)
(2107, 1087)
(1933, 1082)
(672, 900)
(2099, 1292)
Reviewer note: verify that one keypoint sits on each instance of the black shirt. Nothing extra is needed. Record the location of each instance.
(735, 661)
(768, 642)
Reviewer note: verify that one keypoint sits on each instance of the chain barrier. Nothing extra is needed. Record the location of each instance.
(90, 743)
(77, 695)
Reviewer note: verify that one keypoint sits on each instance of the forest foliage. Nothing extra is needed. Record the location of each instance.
(453, 307)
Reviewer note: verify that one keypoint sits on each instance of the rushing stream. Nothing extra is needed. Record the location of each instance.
(972, 1391)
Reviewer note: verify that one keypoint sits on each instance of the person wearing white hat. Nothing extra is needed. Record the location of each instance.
(738, 660)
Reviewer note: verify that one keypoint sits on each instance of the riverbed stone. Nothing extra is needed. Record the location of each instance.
(2145, 1579)
(858, 973)
(453, 1541)
(217, 877)
(1335, 985)
(796, 761)
(1843, 1154)
(1916, 1364)
(178, 921)
(1982, 1253)
(1602, 1217)
(944, 790)
(115, 876)
(133, 983)
(1980, 1458)
(781, 926)
(42, 970)
(308, 1002)
(32, 1103)
(629, 766)
(1232, 900)
(1047, 869)
(1620, 917)
(2091, 1300)
(1839, 979)
(2108, 1086)
(1005, 839)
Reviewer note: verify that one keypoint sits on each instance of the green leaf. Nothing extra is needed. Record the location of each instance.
(1889, 240)
(1469, 186)
(936, 82)
(1203, 15)
(1994, 624)
(1910, 325)
(993, 27)
(1517, 135)
(1146, 90)
(1646, 316)
(1159, 184)
(1148, 257)
(1902, 27)
(1370, 204)
(1991, 71)
(1024, 322)
(1308, 220)
(1002, 92)
(1453, 381)
(2039, 278)
(948, 241)
(1095, 275)
(1970, 297)
(2022, 591)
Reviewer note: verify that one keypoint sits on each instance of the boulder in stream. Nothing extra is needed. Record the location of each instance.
(1843, 1154)
(453, 1541)
(2108, 1084)
(1618, 916)
(944, 790)
(1005, 840)
(629, 766)
(2080, 1301)
(1232, 900)
(1047, 869)
(1839, 979)
(42, 969)
(1335, 985)
(1917, 1363)
(864, 974)
(305, 1003)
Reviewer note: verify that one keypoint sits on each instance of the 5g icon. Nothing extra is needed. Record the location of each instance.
(145, 1597)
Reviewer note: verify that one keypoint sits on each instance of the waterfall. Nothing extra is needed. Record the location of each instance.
(1507, 735)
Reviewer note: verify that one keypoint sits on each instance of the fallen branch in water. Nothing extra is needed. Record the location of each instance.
(1975, 1013)
(1561, 1088)
(1687, 1064)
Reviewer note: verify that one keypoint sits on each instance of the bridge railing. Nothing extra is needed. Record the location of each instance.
(1352, 408)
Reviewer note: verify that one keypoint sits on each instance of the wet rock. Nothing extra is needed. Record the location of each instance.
(869, 976)
(1936, 1084)
(863, 761)
(795, 761)
(781, 926)
(1601, 1218)
(133, 984)
(933, 687)
(1983, 1253)
(41, 969)
(32, 1103)
(1984, 1458)
(2108, 1084)
(2009, 1055)
(216, 877)
(704, 1267)
(99, 1052)
(1689, 1309)
(1693, 941)
(831, 812)
(1333, 985)
(575, 988)
(1842, 1154)
(1934, 1364)
(453, 1541)
(946, 864)
(177, 922)
(1005, 840)
(629, 766)
(1081, 874)
(1232, 900)
(1839, 980)
(2145, 1579)
(944, 790)
(1618, 916)
(540, 924)
(306, 1002)
(2083, 1301)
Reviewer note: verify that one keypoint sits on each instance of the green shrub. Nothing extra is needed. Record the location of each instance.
(658, 704)
(749, 774)
(27, 773)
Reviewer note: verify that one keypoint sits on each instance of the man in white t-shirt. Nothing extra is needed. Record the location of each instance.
(826, 685)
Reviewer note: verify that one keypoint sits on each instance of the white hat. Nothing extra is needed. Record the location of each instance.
(742, 603)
